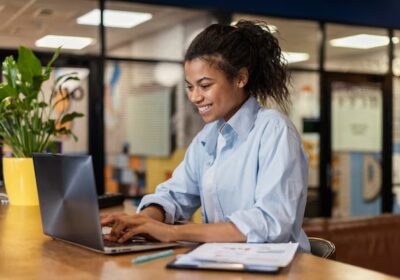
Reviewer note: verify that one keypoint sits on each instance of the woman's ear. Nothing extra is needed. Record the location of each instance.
(242, 77)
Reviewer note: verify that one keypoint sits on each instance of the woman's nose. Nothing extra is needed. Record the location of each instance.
(195, 96)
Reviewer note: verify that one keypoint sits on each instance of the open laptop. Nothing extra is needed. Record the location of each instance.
(69, 206)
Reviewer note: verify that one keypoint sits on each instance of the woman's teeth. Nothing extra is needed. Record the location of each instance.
(204, 109)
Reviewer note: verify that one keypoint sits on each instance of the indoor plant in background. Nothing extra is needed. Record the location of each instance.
(28, 120)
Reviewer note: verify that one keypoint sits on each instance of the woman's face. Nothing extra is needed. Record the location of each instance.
(211, 92)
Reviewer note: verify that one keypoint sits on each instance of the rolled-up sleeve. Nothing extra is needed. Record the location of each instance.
(179, 196)
(281, 188)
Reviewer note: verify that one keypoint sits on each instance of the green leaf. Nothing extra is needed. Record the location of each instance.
(10, 71)
(69, 117)
(42, 104)
(63, 130)
(74, 136)
(47, 71)
(28, 64)
(52, 147)
(36, 84)
(6, 91)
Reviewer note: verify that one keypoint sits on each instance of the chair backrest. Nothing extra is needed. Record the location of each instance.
(322, 248)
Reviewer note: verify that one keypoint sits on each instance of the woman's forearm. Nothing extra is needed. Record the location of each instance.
(155, 212)
(224, 232)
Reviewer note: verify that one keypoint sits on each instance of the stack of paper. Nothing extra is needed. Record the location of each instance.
(245, 254)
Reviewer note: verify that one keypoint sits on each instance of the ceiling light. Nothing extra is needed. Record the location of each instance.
(362, 41)
(66, 42)
(113, 18)
(293, 57)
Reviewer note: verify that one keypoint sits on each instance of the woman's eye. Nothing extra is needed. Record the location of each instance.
(188, 87)
(205, 86)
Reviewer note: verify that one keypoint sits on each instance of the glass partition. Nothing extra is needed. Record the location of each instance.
(148, 119)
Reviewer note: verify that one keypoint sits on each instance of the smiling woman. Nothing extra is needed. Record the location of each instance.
(246, 168)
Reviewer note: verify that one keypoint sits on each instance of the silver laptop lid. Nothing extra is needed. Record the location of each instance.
(68, 198)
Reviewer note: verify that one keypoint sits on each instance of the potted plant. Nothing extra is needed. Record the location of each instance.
(28, 120)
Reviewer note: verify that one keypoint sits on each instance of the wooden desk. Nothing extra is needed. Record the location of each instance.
(25, 253)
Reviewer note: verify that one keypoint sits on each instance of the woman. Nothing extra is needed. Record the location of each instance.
(246, 168)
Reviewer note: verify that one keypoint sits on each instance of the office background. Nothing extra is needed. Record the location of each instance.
(346, 97)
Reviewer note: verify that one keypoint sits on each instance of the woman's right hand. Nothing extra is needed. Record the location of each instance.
(108, 219)
(125, 227)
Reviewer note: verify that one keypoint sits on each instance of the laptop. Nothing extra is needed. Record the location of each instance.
(69, 206)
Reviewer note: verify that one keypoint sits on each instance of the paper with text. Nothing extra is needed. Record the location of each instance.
(276, 254)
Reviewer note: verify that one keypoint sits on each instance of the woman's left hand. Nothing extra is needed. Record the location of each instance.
(125, 227)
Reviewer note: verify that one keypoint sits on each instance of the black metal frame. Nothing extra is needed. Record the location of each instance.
(387, 137)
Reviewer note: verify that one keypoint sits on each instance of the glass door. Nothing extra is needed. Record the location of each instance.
(353, 138)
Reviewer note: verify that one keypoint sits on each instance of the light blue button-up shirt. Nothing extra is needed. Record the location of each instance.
(260, 177)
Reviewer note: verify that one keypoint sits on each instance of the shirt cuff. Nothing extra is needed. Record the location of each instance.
(168, 207)
(249, 224)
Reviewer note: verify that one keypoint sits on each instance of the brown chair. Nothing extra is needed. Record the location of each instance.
(322, 248)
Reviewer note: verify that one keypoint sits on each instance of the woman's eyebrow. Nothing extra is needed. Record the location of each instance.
(203, 79)
(200, 80)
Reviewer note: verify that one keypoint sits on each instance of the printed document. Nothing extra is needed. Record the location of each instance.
(248, 254)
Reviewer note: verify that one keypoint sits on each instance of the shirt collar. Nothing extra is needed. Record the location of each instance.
(240, 123)
(243, 120)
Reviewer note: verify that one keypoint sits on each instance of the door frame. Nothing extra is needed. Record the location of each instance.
(325, 167)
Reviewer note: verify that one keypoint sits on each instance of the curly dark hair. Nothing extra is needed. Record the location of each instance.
(248, 44)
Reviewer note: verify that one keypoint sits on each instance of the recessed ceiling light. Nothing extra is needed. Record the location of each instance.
(113, 18)
(293, 57)
(362, 41)
(66, 42)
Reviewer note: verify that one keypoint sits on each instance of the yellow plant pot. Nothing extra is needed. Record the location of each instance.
(20, 181)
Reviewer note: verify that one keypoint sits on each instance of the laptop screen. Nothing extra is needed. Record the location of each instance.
(68, 198)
